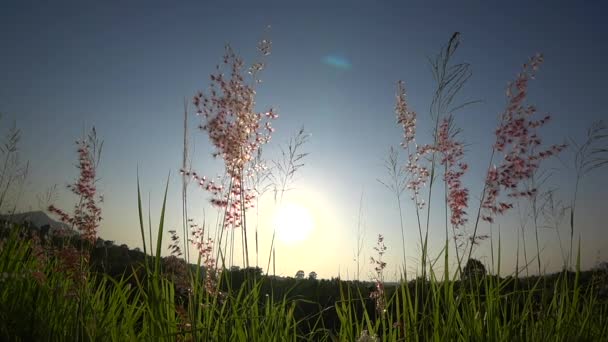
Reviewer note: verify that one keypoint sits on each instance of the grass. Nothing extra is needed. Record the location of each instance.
(44, 306)
(49, 289)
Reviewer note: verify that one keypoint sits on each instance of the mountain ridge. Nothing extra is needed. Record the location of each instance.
(36, 218)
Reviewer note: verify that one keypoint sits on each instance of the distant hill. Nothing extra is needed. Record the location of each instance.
(37, 219)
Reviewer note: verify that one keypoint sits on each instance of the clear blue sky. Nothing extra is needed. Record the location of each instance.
(126, 66)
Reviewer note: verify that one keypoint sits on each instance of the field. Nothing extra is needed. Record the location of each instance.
(59, 286)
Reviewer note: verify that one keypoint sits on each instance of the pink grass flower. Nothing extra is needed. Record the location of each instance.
(378, 293)
(519, 144)
(235, 130)
(405, 117)
(71, 263)
(451, 152)
(87, 214)
(204, 246)
(417, 173)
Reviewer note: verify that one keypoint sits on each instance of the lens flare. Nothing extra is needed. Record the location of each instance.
(338, 62)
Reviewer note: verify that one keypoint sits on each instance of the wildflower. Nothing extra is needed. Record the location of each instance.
(205, 250)
(405, 117)
(378, 293)
(518, 142)
(87, 214)
(71, 264)
(417, 174)
(236, 131)
(452, 152)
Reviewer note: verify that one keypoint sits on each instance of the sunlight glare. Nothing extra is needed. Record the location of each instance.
(293, 223)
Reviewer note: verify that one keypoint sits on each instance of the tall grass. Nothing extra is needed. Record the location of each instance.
(13, 172)
(48, 290)
(475, 308)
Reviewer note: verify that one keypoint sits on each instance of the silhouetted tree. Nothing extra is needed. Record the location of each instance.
(474, 269)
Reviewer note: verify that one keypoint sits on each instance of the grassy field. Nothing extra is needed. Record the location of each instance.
(52, 287)
(41, 299)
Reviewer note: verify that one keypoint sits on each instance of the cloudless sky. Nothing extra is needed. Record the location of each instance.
(125, 67)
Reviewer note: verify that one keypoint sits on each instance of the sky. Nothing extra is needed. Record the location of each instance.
(126, 68)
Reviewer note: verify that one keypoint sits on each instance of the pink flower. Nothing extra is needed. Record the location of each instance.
(417, 174)
(236, 131)
(87, 214)
(204, 247)
(378, 294)
(451, 153)
(518, 142)
(405, 117)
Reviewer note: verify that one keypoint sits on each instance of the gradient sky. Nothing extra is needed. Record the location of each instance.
(125, 67)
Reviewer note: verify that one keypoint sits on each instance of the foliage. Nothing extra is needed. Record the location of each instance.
(473, 270)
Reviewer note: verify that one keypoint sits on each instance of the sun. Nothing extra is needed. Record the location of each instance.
(293, 223)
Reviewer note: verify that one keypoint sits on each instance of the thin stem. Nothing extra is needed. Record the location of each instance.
(534, 209)
(572, 211)
(402, 229)
(185, 185)
(244, 221)
(481, 200)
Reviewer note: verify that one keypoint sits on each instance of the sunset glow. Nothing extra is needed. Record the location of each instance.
(319, 171)
(293, 223)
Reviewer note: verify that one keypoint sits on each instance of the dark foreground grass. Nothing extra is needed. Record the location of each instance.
(44, 302)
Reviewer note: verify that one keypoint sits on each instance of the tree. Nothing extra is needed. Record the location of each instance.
(474, 269)
(602, 267)
(312, 275)
(300, 274)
